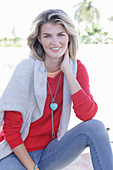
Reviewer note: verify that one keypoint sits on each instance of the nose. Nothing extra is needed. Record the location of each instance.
(55, 41)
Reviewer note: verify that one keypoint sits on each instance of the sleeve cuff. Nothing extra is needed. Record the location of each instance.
(15, 143)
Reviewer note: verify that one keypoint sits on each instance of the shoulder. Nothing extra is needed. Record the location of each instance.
(79, 63)
(25, 67)
(25, 64)
(80, 66)
(81, 70)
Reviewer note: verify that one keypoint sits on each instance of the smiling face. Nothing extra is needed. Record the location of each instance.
(54, 40)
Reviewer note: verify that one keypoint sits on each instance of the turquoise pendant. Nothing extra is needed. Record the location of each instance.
(53, 106)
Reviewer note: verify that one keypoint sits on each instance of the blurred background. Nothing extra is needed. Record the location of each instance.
(93, 18)
(94, 22)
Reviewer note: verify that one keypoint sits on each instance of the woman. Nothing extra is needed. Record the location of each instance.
(36, 104)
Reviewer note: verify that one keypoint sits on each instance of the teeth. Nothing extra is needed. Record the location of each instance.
(55, 48)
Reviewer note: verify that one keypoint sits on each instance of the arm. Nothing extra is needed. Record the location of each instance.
(72, 82)
(22, 154)
(84, 106)
(11, 132)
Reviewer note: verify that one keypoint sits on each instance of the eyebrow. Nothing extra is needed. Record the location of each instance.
(50, 33)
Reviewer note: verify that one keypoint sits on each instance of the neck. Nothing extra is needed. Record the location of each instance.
(52, 65)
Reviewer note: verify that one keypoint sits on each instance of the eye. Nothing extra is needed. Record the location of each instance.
(60, 35)
(46, 36)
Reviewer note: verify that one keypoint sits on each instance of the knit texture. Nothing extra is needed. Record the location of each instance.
(26, 93)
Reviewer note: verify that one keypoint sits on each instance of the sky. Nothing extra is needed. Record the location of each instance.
(20, 13)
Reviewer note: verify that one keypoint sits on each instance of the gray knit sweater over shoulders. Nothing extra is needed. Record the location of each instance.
(26, 93)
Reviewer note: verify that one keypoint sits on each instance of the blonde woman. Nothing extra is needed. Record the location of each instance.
(35, 107)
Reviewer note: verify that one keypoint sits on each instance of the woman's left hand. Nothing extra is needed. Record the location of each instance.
(71, 79)
(65, 62)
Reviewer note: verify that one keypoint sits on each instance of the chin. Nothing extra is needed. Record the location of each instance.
(57, 56)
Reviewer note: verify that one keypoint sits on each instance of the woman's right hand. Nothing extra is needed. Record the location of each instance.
(22, 154)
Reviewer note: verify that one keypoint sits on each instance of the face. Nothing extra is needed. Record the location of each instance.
(54, 40)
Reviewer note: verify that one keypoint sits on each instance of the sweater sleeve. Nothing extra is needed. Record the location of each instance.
(84, 106)
(12, 127)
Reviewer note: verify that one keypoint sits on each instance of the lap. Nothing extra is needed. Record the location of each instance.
(58, 154)
(11, 162)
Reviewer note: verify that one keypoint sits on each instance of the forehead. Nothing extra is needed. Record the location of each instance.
(52, 27)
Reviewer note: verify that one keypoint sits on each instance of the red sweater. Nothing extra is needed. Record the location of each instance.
(40, 132)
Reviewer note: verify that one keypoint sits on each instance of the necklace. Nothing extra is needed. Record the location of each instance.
(53, 104)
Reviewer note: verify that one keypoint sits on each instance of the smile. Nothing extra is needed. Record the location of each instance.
(55, 49)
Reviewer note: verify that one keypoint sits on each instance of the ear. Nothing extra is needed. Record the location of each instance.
(39, 39)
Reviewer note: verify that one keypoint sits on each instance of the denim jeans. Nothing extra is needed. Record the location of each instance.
(58, 154)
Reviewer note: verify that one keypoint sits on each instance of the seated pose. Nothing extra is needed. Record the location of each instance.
(35, 107)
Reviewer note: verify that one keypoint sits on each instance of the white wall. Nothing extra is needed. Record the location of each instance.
(98, 60)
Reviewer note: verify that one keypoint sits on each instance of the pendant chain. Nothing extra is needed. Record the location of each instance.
(53, 98)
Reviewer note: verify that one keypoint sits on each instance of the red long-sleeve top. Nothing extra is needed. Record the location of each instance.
(40, 132)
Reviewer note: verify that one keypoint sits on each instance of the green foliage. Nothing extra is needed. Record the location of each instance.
(89, 29)
(110, 19)
(14, 41)
(94, 34)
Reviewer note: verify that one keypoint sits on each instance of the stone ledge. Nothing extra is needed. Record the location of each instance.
(83, 162)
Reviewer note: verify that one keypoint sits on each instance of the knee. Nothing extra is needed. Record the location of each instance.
(94, 128)
(93, 123)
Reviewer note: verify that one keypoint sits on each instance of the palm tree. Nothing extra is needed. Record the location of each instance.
(86, 12)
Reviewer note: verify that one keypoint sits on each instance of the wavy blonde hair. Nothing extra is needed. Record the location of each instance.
(52, 16)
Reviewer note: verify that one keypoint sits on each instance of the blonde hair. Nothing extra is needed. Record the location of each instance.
(53, 16)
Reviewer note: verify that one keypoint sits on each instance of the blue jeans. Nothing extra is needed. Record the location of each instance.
(59, 154)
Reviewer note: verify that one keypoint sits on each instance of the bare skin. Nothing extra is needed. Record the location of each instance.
(22, 154)
(72, 82)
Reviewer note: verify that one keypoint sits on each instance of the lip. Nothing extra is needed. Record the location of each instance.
(55, 49)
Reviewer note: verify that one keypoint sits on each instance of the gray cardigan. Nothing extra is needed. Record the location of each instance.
(26, 92)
